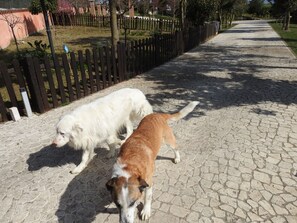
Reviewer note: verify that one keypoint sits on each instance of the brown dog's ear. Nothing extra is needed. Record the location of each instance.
(110, 184)
(142, 184)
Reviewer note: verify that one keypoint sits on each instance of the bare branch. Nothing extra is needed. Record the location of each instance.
(12, 20)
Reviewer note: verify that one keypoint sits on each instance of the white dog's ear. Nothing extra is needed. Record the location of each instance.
(76, 127)
(142, 184)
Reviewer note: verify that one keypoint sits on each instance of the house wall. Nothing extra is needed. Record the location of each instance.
(29, 24)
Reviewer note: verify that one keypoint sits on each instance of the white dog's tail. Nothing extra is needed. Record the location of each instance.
(184, 112)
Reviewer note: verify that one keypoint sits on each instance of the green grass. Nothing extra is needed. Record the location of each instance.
(290, 36)
(225, 28)
(76, 38)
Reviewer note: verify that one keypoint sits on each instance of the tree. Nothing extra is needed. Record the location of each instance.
(200, 11)
(183, 13)
(120, 6)
(228, 9)
(43, 6)
(35, 7)
(79, 3)
(143, 7)
(12, 20)
(173, 4)
(113, 22)
(124, 6)
(284, 8)
(256, 7)
(162, 6)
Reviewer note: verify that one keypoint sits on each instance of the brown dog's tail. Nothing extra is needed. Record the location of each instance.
(184, 112)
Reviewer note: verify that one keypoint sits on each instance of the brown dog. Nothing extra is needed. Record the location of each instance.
(134, 169)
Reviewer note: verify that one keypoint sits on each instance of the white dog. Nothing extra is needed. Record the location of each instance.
(100, 121)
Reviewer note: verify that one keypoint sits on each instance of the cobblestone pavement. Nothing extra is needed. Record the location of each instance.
(238, 148)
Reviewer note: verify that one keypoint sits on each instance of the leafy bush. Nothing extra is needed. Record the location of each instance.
(38, 50)
(35, 7)
(155, 32)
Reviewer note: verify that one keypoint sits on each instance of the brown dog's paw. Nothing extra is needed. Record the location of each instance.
(176, 160)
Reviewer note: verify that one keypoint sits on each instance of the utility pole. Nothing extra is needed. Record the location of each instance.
(48, 29)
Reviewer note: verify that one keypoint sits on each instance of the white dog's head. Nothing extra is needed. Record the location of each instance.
(67, 129)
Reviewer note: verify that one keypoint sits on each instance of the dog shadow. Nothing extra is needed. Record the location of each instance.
(50, 156)
(165, 158)
(86, 195)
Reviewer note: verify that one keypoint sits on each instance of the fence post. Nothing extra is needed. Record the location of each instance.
(51, 81)
(114, 65)
(25, 65)
(179, 42)
(7, 80)
(41, 87)
(124, 56)
(160, 25)
(33, 85)
(3, 109)
(96, 68)
(157, 49)
(120, 62)
(82, 72)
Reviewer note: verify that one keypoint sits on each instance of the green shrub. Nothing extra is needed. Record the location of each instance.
(38, 49)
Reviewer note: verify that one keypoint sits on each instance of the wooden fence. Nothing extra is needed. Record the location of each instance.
(64, 19)
(50, 84)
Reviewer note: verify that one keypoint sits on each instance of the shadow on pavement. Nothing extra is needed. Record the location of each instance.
(220, 77)
(86, 195)
(224, 80)
(51, 157)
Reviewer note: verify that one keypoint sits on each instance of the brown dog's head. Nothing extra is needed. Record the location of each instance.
(125, 193)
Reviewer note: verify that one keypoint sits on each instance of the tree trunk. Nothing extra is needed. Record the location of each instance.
(15, 39)
(283, 22)
(288, 18)
(220, 19)
(231, 19)
(113, 23)
(183, 5)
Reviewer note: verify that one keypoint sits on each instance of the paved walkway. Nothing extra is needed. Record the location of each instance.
(238, 148)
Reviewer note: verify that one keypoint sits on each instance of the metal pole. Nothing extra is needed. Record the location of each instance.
(26, 101)
(48, 29)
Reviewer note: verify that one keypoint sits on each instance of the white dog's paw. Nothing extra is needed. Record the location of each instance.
(145, 213)
(75, 170)
(110, 154)
(176, 160)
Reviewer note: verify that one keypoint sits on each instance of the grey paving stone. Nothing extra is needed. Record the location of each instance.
(238, 147)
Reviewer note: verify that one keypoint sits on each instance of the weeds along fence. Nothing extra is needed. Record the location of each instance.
(64, 19)
(52, 83)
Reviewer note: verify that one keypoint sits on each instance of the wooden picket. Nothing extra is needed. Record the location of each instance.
(50, 84)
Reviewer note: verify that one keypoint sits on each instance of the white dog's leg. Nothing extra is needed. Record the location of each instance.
(129, 130)
(86, 157)
(112, 142)
(146, 212)
(129, 127)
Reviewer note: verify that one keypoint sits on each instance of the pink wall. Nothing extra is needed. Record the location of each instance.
(29, 24)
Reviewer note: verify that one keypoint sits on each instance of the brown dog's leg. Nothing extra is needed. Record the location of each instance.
(170, 140)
